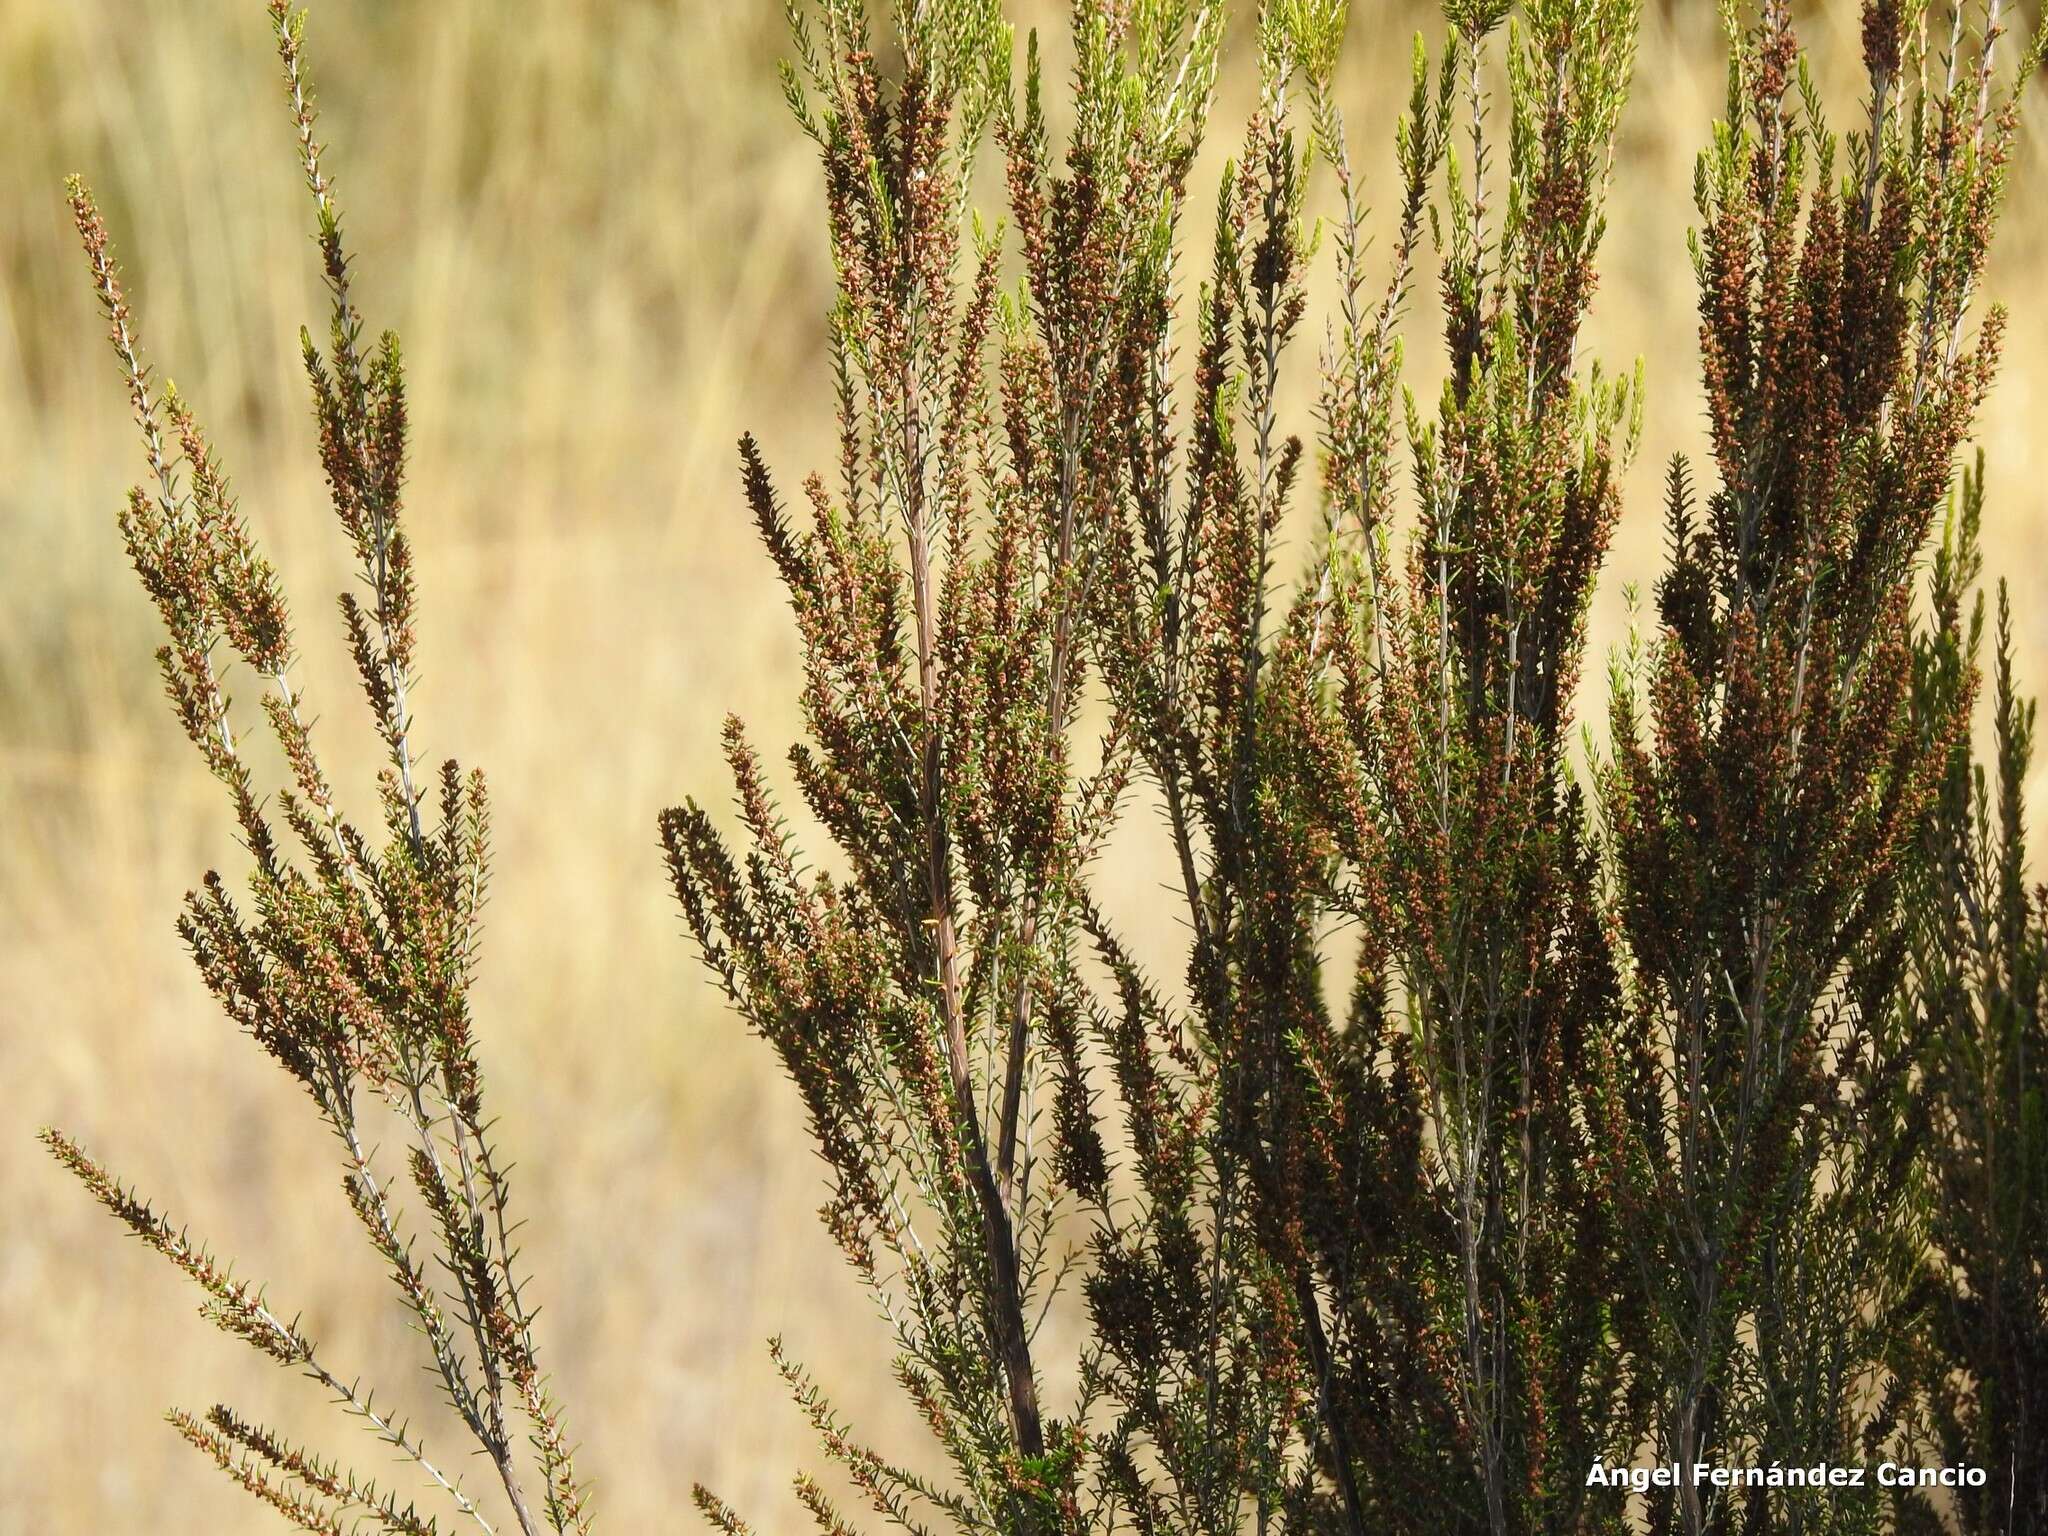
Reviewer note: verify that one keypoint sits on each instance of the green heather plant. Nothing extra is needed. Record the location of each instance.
(352, 966)
(1766, 798)
(1336, 1273)
(1620, 1140)
(1520, 1109)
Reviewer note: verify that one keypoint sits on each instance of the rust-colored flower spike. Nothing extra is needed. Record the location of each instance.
(1772, 795)
(352, 965)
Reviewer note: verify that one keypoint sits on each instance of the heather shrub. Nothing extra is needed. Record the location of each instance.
(1509, 1118)
(1520, 1107)
(1971, 1374)
(1771, 774)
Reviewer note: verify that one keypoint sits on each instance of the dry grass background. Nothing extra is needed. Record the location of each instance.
(598, 234)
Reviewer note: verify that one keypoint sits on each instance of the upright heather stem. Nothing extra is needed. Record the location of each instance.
(1056, 715)
(1011, 1336)
(377, 567)
(1321, 1363)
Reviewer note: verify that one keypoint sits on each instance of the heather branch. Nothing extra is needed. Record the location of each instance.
(245, 1469)
(1077, 309)
(356, 972)
(325, 1479)
(1011, 1336)
(371, 486)
(240, 1309)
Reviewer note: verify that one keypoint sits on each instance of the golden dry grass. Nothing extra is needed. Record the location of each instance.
(597, 233)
